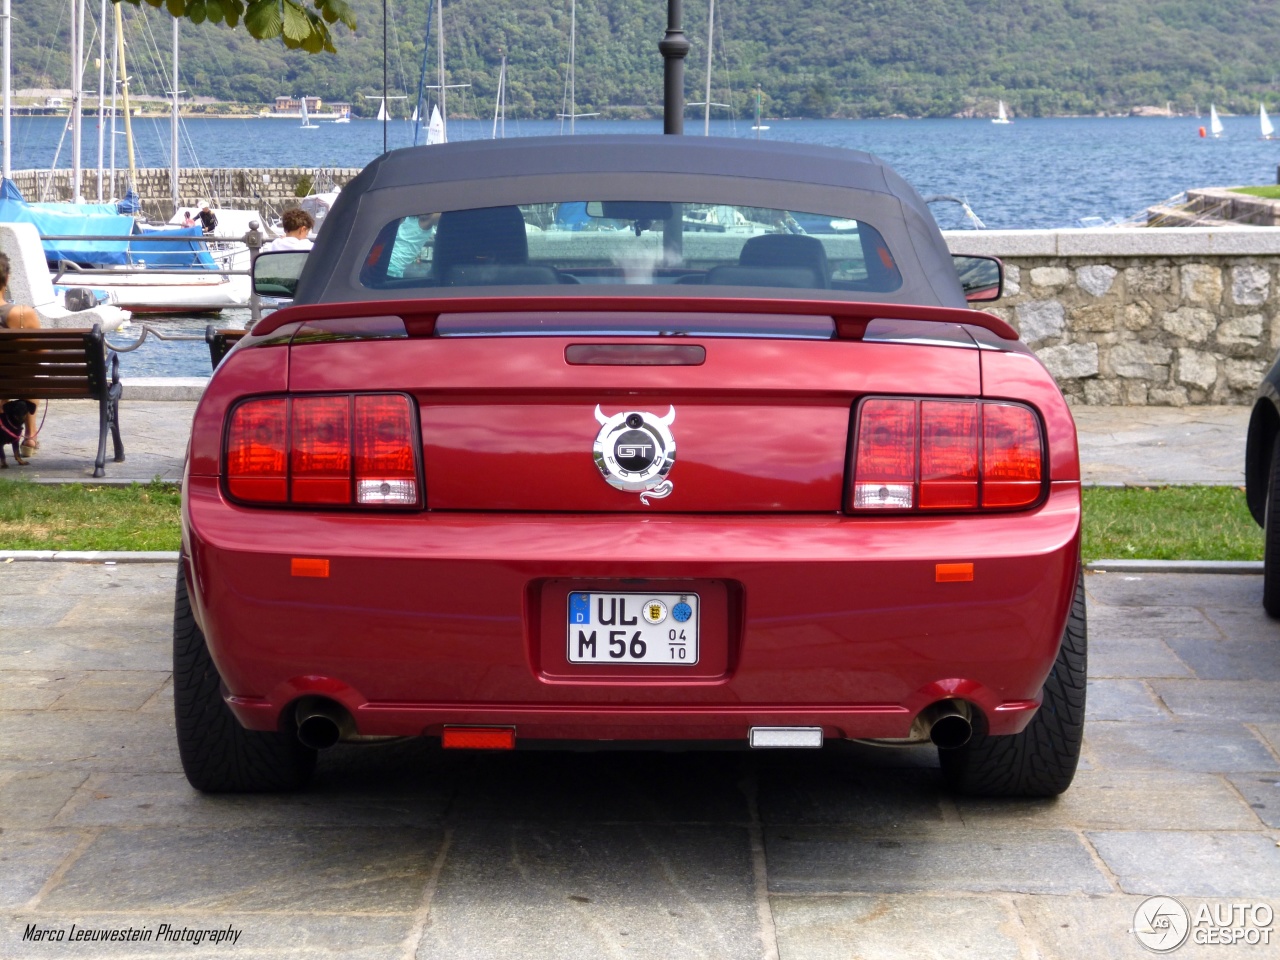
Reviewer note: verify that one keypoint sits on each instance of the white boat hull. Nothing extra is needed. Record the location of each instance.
(139, 292)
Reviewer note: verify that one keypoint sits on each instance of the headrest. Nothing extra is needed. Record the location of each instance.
(487, 235)
(784, 250)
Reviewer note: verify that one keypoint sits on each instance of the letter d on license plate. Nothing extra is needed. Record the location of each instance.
(633, 628)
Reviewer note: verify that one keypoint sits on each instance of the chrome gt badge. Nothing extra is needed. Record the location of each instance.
(635, 451)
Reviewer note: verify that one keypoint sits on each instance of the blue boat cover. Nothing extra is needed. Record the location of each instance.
(101, 219)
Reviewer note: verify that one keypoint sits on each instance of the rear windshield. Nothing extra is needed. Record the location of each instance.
(656, 244)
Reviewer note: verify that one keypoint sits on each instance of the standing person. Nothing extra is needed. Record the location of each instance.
(208, 222)
(298, 225)
(16, 317)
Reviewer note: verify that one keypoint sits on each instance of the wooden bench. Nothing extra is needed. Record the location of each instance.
(220, 342)
(64, 365)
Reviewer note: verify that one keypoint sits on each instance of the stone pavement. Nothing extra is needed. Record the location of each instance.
(403, 852)
(1155, 445)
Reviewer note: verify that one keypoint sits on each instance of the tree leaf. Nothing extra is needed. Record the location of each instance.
(195, 11)
(176, 8)
(263, 19)
(337, 10)
(297, 22)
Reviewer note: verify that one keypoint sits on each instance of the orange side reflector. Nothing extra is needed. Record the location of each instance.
(953, 572)
(308, 567)
(479, 738)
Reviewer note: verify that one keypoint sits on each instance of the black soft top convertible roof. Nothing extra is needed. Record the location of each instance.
(485, 173)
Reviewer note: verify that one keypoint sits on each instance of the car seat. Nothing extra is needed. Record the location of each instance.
(485, 247)
(777, 260)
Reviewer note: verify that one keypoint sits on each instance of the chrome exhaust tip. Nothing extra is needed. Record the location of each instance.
(322, 723)
(948, 723)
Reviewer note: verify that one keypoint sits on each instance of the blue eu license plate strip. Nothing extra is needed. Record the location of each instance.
(632, 628)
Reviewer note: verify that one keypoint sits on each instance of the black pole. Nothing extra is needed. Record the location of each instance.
(674, 48)
(384, 76)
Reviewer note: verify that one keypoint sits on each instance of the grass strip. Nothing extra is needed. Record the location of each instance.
(1267, 193)
(78, 516)
(1169, 523)
(1138, 523)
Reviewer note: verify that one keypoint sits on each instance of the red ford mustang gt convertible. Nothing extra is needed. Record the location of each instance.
(630, 439)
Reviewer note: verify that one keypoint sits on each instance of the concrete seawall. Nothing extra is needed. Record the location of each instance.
(267, 190)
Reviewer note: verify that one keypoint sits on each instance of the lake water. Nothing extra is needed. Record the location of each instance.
(1034, 173)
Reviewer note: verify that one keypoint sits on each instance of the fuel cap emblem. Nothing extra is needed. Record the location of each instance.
(635, 451)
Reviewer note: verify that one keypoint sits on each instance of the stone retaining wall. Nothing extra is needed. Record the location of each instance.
(269, 191)
(1138, 316)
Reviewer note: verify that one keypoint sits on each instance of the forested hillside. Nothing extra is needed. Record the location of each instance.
(848, 58)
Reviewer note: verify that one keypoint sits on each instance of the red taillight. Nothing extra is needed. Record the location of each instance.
(886, 456)
(948, 455)
(320, 454)
(945, 455)
(1011, 456)
(327, 450)
(386, 470)
(257, 449)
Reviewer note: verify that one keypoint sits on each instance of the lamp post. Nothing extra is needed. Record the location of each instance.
(674, 47)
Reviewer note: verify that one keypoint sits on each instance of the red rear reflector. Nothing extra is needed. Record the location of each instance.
(948, 455)
(479, 738)
(321, 450)
(308, 567)
(953, 572)
(1012, 456)
(257, 441)
(885, 456)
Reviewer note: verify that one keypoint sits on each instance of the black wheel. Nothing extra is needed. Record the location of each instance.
(219, 755)
(1271, 536)
(1041, 760)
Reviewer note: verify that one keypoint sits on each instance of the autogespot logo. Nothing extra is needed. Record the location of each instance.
(1161, 924)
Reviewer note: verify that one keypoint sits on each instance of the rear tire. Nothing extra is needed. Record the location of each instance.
(1041, 760)
(1271, 536)
(218, 754)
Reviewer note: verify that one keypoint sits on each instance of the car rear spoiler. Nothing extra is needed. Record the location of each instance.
(419, 316)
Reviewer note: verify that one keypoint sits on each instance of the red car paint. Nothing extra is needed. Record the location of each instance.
(454, 614)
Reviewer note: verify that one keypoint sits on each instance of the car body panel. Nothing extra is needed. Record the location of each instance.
(454, 613)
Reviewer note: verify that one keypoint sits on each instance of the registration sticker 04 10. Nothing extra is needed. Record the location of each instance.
(633, 628)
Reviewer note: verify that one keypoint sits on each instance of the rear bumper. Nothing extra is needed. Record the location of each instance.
(433, 619)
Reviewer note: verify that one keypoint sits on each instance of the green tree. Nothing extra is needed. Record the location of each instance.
(299, 26)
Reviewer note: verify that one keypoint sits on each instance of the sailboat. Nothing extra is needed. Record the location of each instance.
(382, 109)
(435, 129)
(1268, 130)
(570, 83)
(1001, 116)
(306, 120)
(1215, 125)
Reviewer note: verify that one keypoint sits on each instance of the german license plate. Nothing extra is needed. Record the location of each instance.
(633, 628)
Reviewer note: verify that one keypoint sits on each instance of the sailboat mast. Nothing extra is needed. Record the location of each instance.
(711, 25)
(499, 104)
(114, 94)
(102, 89)
(8, 102)
(573, 77)
(444, 121)
(124, 93)
(173, 132)
(77, 44)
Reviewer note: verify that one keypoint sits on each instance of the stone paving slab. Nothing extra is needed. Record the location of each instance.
(401, 851)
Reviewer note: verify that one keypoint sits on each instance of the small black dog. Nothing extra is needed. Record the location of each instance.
(12, 416)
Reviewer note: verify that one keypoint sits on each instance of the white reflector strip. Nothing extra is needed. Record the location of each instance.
(786, 737)
(883, 496)
(387, 491)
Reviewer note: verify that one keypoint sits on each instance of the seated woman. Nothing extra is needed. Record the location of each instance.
(17, 317)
